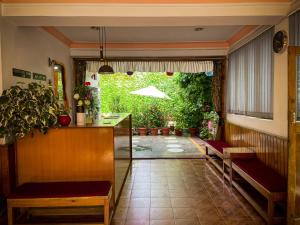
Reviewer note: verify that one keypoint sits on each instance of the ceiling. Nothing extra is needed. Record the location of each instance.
(157, 27)
(151, 34)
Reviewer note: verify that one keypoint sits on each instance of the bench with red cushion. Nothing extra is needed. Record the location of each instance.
(262, 174)
(62, 189)
(61, 194)
(218, 145)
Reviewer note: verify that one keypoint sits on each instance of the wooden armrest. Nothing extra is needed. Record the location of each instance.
(239, 152)
(242, 155)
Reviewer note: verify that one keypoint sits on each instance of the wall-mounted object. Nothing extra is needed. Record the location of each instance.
(51, 62)
(21, 73)
(38, 76)
(280, 41)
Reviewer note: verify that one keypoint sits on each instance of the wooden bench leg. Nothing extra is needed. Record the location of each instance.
(106, 212)
(270, 211)
(10, 215)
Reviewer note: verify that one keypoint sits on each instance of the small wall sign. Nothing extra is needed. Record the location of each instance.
(21, 73)
(38, 76)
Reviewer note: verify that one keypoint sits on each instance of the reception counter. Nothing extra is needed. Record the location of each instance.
(100, 151)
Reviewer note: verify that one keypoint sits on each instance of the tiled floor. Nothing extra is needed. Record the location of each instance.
(181, 192)
(164, 147)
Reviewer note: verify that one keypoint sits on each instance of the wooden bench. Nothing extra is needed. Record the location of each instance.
(265, 180)
(61, 194)
(216, 147)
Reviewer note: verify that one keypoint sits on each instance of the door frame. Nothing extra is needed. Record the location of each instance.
(293, 215)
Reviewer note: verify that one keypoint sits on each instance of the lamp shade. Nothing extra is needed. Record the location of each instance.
(105, 69)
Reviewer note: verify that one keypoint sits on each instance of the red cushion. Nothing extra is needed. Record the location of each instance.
(218, 145)
(262, 174)
(61, 189)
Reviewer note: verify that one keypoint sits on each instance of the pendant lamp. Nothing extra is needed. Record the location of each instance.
(105, 68)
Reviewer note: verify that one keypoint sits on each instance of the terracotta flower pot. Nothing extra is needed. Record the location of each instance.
(142, 131)
(64, 120)
(178, 132)
(165, 131)
(193, 131)
(154, 131)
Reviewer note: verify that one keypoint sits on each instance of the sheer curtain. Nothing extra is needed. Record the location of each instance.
(154, 66)
(250, 78)
(294, 29)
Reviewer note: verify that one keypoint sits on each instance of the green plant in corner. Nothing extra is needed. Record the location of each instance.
(23, 109)
(155, 116)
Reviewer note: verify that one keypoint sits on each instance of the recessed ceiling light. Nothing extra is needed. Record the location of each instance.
(198, 28)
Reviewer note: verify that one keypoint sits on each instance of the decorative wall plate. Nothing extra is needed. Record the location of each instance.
(280, 41)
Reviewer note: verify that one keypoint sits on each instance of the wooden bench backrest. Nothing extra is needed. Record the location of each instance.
(271, 149)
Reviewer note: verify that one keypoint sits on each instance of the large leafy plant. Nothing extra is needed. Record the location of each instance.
(155, 116)
(24, 108)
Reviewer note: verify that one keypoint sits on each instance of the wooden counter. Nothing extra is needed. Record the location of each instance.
(77, 153)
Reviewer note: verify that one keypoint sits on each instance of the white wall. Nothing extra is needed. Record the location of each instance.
(28, 48)
(279, 124)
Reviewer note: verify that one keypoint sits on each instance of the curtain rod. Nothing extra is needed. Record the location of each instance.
(213, 58)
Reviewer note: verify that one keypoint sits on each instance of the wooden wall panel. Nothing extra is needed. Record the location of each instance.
(66, 154)
(271, 149)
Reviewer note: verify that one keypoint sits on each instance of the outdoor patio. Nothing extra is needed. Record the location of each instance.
(165, 147)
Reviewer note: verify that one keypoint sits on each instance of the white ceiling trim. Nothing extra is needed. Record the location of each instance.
(146, 10)
(150, 52)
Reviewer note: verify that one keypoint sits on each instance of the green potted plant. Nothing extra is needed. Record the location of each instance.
(26, 108)
(165, 130)
(140, 122)
(155, 119)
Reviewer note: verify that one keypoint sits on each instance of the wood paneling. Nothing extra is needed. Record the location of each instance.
(66, 154)
(7, 169)
(271, 149)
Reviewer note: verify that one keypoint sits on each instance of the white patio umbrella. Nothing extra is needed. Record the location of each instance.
(150, 91)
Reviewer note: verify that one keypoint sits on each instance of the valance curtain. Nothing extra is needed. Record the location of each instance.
(294, 29)
(250, 78)
(154, 66)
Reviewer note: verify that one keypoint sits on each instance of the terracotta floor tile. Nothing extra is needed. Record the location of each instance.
(161, 203)
(120, 213)
(162, 222)
(123, 202)
(117, 222)
(159, 193)
(140, 193)
(137, 222)
(138, 214)
(182, 202)
(184, 213)
(180, 192)
(139, 203)
(187, 222)
(161, 213)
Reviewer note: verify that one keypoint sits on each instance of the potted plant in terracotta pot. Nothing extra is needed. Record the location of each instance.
(165, 130)
(140, 122)
(26, 108)
(155, 119)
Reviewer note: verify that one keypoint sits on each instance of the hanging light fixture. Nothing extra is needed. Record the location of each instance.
(105, 68)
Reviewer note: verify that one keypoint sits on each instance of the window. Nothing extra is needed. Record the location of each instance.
(250, 78)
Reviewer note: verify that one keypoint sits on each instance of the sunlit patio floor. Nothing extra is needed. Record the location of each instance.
(165, 147)
(180, 192)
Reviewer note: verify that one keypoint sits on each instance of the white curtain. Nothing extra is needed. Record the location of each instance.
(294, 24)
(154, 66)
(250, 78)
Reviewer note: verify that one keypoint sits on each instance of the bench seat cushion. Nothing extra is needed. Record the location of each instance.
(61, 189)
(218, 145)
(261, 173)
